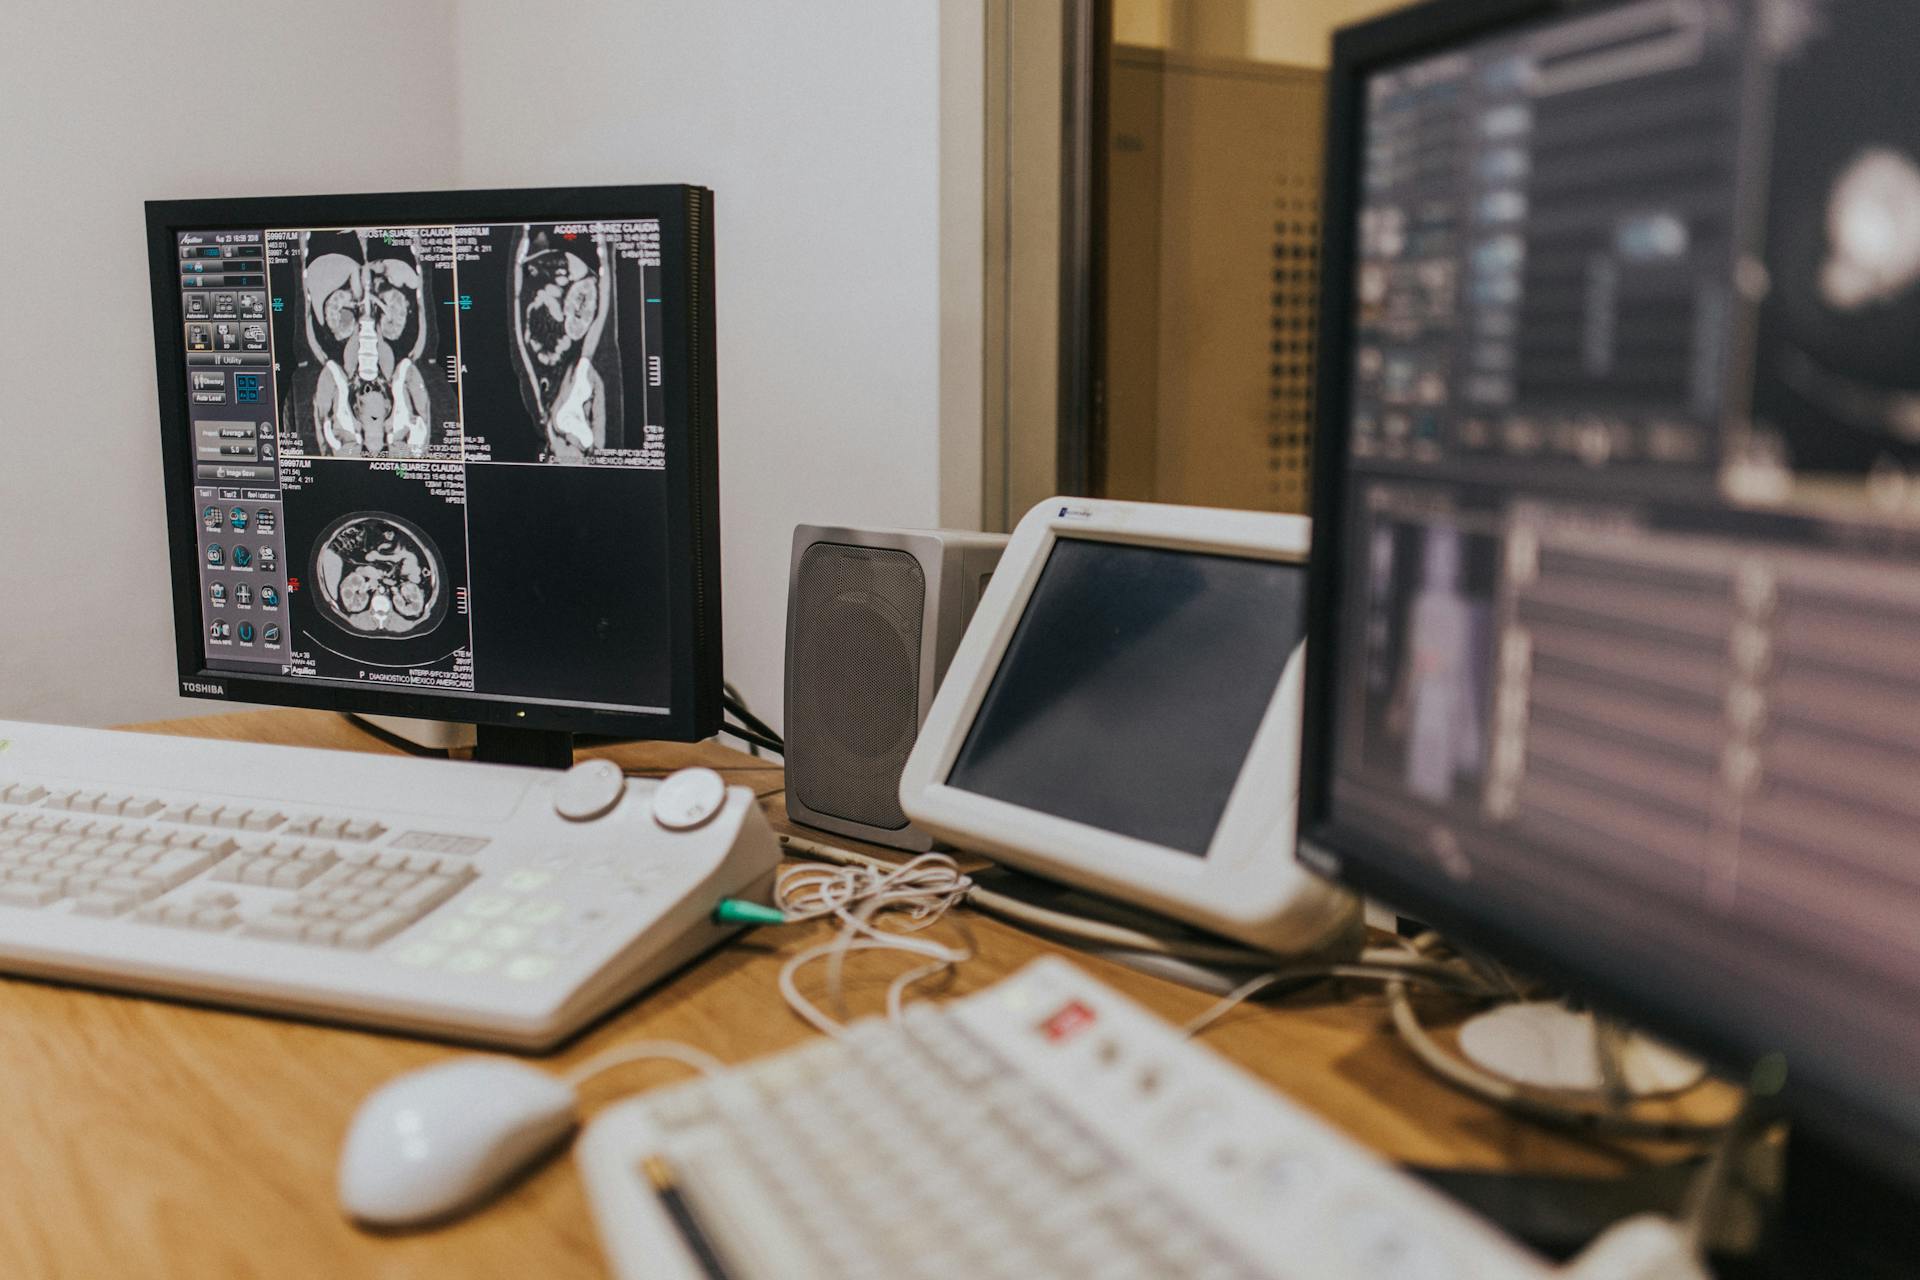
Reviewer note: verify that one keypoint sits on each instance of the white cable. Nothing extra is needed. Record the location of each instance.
(1080, 928)
(642, 1051)
(856, 893)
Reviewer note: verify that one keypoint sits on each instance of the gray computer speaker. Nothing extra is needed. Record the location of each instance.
(873, 617)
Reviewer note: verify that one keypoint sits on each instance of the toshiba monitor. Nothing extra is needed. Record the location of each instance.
(446, 455)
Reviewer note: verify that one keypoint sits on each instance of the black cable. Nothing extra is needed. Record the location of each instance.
(756, 739)
(734, 703)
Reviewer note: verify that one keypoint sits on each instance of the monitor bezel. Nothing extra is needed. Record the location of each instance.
(684, 214)
(1365, 863)
(1247, 884)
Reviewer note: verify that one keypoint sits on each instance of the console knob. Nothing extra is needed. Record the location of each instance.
(689, 799)
(588, 790)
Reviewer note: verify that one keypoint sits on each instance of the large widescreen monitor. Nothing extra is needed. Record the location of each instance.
(1615, 589)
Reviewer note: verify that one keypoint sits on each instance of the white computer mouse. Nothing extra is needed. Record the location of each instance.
(432, 1143)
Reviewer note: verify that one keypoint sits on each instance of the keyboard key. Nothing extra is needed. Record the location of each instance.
(281, 928)
(489, 906)
(15, 894)
(434, 890)
(103, 904)
(420, 955)
(539, 911)
(472, 960)
(440, 842)
(293, 875)
(529, 968)
(374, 929)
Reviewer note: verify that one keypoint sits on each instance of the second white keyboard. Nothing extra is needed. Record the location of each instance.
(441, 897)
(1045, 1127)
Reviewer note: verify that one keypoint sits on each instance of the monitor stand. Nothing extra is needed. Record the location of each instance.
(539, 748)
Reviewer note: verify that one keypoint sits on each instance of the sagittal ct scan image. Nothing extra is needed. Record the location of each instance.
(562, 309)
(557, 343)
(358, 316)
(380, 575)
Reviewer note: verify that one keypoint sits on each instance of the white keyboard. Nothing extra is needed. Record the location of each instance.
(439, 897)
(1044, 1127)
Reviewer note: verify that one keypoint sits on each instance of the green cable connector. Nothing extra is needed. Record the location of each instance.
(740, 911)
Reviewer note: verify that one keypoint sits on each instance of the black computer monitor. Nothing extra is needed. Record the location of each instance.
(1615, 590)
(446, 455)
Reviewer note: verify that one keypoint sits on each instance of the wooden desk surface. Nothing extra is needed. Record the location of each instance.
(140, 1138)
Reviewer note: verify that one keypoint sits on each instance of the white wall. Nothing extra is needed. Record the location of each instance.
(818, 127)
(106, 105)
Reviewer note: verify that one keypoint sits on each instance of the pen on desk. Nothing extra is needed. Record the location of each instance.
(660, 1174)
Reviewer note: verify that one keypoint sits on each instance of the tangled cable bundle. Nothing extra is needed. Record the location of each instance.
(916, 895)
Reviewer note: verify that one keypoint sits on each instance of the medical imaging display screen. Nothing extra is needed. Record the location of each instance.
(1629, 514)
(432, 457)
(1132, 688)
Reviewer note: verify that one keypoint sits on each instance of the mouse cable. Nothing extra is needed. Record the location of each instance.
(642, 1051)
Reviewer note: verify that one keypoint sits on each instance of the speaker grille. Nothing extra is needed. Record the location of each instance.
(854, 677)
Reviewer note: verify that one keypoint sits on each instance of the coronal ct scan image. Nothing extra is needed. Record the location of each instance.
(357, 313)
(379, 575)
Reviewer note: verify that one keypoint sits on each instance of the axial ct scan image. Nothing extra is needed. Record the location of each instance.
(358, 312)
(379, 575)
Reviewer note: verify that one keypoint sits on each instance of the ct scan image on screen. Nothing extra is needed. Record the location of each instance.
(1133, 686)
(433, 456)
